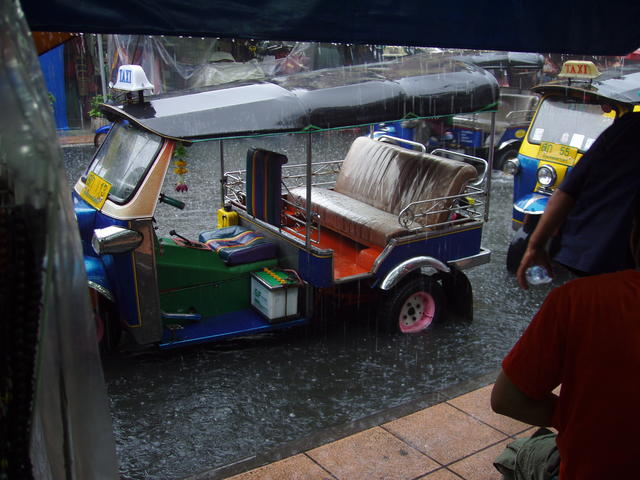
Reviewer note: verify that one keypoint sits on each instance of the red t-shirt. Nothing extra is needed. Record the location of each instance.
(586, 336)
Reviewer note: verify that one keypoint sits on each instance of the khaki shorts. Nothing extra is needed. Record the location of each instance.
(533, 458)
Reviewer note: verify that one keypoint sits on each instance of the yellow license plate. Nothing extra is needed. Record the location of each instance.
(95, 191)
(557, 152)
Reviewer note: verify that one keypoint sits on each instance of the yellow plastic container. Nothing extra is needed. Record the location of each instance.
(227, 217)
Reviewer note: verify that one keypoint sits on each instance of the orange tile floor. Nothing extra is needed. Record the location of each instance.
(456, 439)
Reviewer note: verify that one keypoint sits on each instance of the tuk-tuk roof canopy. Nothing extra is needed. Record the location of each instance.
(618, 85)
(414, 86)
(505, 60)
(548, 26)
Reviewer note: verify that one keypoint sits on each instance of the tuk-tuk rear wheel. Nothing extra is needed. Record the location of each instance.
(412, 306)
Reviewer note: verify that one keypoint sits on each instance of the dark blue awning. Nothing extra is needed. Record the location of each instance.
(546, 26)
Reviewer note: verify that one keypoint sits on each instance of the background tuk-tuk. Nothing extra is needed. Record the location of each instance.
(382, 218)
(572, 113)
(472, 134)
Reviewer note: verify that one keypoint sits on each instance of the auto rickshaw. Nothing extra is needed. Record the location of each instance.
(390, 220)
(572, 113)
(472, 133)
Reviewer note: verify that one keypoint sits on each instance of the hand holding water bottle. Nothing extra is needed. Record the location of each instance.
(535, 267)
(537, 275)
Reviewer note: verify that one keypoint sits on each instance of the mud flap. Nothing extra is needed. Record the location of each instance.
(458, 292)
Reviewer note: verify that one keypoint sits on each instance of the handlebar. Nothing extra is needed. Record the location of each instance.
(187, 242)
(172, 201)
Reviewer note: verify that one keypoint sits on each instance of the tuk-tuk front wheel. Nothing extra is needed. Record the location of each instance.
(412, 306)
(509, 153)
(108, 328)
(519, 242)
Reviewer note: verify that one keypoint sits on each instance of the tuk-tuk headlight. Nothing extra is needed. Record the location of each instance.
(511, 166)
(546, 175)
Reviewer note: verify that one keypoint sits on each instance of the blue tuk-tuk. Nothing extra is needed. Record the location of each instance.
(383, 218)
(572, 113)
(474, 134)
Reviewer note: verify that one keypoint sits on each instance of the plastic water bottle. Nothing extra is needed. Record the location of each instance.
(537, 275)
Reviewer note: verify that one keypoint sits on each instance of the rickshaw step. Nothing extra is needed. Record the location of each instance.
(228, 325)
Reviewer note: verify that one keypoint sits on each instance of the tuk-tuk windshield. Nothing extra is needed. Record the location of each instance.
(566, 122)
(123, 159)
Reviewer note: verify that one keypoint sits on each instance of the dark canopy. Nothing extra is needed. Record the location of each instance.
(546, 26)
(414, 86)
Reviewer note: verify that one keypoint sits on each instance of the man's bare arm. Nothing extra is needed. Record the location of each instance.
(507, 399)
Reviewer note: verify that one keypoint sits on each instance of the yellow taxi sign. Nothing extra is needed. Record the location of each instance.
(579, 69)
(95, 191)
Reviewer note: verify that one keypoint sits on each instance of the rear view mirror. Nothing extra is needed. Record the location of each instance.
(115, 239)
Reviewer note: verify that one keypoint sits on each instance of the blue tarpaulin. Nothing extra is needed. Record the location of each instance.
(546, 26)
(52, 64)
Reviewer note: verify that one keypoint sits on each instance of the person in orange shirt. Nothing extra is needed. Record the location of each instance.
(586, 339)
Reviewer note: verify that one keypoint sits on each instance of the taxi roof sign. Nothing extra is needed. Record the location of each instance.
(579, 69)
(131, 78)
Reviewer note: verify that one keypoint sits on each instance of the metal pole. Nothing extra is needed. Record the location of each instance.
(492, 146)
(308, 205)
(222, 182)
(103, 80)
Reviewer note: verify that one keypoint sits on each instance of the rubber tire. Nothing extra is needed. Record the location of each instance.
(409, 297)
(502, 156)
(107, 317)
(516, 250)
(519, 242)
(98, 139)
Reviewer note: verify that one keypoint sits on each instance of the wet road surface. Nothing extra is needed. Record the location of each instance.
(181, 412)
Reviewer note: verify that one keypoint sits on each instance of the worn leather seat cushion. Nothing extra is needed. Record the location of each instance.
(376, 181)
(237, 245)
(352, 218)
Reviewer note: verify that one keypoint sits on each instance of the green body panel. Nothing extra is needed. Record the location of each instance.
(193, 280)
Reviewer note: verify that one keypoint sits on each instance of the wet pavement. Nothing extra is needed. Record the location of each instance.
(183, 412)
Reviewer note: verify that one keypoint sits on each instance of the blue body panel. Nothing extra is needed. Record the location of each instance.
(510, 134)
(96, 272)
(533, 203)
(466, 137)
(394, 129)
(445, 248)
(524, 182)
(113, 272)
(104, 128)
(317, 271)
(234, 324)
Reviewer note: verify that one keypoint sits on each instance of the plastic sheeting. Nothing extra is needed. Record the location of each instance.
(50, 352)
(174, 63)
(182, 63)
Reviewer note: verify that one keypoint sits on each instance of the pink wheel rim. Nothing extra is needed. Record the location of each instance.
(417, 312)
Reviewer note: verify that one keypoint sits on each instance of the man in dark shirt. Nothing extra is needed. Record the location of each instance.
(593, 206)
